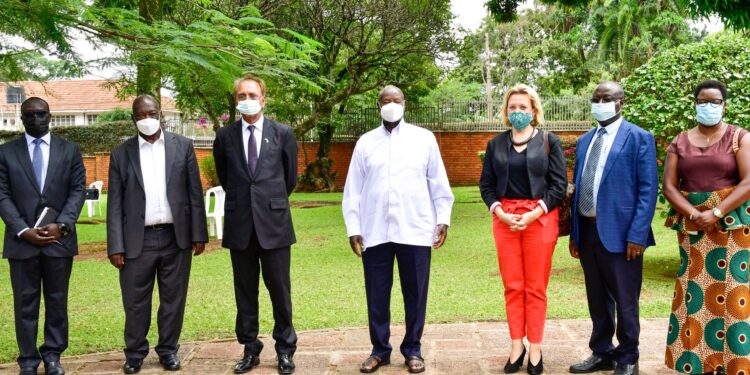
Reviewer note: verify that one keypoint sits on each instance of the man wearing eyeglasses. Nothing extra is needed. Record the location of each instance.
(616, 183)
(40, 172)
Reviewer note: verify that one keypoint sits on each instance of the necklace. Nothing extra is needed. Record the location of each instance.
(525, 141)
(708, 138)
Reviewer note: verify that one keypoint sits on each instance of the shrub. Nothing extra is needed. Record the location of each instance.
(117, 114)
(93, 138)
(208, 170)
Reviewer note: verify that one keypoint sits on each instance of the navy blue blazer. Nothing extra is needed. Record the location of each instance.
(626, 200)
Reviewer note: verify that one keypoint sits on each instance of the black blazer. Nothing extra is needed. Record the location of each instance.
(21, 202)
(260, 201)
(126, 199)
(547, 175)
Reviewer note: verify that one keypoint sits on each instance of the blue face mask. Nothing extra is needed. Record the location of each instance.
(520, 120)
(709, 115)
(603, 111)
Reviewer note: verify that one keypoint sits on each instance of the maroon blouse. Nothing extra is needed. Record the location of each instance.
(704, 169)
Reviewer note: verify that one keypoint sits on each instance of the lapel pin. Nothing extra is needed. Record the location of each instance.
(266, 139)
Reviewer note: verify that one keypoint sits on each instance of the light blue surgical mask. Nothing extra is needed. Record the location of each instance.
(249, 107)
(708, 114)
(603, 111)
(520, 120)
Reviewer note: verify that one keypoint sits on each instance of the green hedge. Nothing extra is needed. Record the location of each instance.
(92, 138)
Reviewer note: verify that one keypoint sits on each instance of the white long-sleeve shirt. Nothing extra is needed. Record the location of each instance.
(397, 189)
(153, 168)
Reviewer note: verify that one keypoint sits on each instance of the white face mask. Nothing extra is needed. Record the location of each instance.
(392, 112)
(148, 126)
(603, 111)
(249, 107)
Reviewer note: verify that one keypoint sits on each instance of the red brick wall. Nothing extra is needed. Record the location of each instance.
(458, 149)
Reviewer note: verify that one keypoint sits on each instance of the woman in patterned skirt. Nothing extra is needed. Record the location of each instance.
(706, 182)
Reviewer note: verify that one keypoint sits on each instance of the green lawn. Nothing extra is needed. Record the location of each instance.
(328, 286)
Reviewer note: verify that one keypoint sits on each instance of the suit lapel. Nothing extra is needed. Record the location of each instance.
(614, 152)
(268, 135)
(134, 155)
(170, 150)
(55, 160)
(22, 153)
(237, 139)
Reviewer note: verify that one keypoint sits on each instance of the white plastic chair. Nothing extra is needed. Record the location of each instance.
(95, 202)
(216, 216)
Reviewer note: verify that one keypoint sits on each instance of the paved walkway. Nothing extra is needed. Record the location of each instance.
(466, 348)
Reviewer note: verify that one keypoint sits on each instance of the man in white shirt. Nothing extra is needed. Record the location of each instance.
(397, 205)
(155, 215)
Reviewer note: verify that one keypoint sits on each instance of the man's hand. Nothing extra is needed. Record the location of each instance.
(573, 249)
(198, 248)
(440, 236)
(356, 243)
(117, 260)
(633, 251)
(37, 237)
(52, 229)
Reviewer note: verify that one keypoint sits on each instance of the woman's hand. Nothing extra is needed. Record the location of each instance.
(706, 220)
(526, 219)
(506, 218)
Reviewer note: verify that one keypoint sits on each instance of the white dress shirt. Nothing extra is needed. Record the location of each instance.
(154, 170)
(257, 134)
(45, 152)
(397, 189)
(609, 138)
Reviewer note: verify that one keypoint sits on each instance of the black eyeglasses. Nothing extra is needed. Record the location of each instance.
(34, 114)
(714, 103)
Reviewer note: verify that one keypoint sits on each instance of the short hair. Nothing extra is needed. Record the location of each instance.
(711, 84)
(35, 99)
(390, 88)
(145, 97)
(253, 78)
(536, 104)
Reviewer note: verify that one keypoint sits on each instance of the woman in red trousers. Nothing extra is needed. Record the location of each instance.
(523, 181)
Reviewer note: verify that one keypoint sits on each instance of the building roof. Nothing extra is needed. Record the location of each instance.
(78, 95)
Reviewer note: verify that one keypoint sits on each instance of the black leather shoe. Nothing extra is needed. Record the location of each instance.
(27, 371)
(537, 369)
(132, 366)
(511, 368)
(170, 362)
(286, 365)
(246, 364)
(593, 364)
(53, 368)
(623, 369)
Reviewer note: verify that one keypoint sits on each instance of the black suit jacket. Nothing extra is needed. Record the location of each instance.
(259, 201)
(126, 200)
(547, 175)
(21, 202)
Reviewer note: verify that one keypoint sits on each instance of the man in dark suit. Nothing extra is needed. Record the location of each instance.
(155, 214)
(616, 184)
(40, 170)
(256, 161)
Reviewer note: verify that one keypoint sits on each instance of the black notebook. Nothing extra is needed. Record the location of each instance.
(48, 216)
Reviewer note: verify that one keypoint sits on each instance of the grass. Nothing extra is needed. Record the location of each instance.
(327, 282)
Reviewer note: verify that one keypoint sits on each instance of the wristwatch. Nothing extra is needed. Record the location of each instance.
(717, 212)
(64, 229)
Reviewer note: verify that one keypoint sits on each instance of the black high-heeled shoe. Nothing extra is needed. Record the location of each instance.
(537, 369)
(511, 368)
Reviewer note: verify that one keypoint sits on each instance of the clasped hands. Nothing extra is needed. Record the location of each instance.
(46, 235)
(706, 220)
(518, 222)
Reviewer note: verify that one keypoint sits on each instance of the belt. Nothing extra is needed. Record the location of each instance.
(591, 220)
(160, 226)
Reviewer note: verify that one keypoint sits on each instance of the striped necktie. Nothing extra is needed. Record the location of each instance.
(586, 196)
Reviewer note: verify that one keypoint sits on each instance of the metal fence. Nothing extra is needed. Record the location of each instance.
(202, 137)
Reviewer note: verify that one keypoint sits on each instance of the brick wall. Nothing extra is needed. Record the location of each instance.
(458, 149)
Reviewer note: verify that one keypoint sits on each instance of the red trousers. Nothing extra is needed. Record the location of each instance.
(525, 259)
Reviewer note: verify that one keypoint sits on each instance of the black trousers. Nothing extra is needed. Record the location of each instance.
(414, 272)
(274, 264)
(613, 284)
(162, 260)
(30, 278)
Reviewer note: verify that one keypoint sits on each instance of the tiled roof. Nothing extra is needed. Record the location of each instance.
(75, 95)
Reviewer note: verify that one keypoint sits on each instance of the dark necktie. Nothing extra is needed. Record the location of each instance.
(252, 151)
(37, 162)
(586, 196)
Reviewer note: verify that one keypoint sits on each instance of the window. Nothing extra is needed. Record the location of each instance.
(63, 120)
(90, 119)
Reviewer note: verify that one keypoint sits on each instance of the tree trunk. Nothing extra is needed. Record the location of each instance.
(319, 175)
(148, 79)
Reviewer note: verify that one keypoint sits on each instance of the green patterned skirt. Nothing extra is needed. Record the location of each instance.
(709, 327)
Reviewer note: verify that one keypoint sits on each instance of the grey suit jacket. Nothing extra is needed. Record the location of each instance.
(126, 200)
(21, 202)
(259, 201)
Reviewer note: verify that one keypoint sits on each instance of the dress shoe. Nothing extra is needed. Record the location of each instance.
(511, 368)
(53, 368)
(623, 369)
(286, 365)
(246, 364)
(170, 362)
(537, 369)
(27, 371)
(132, 366)
(593, 364)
